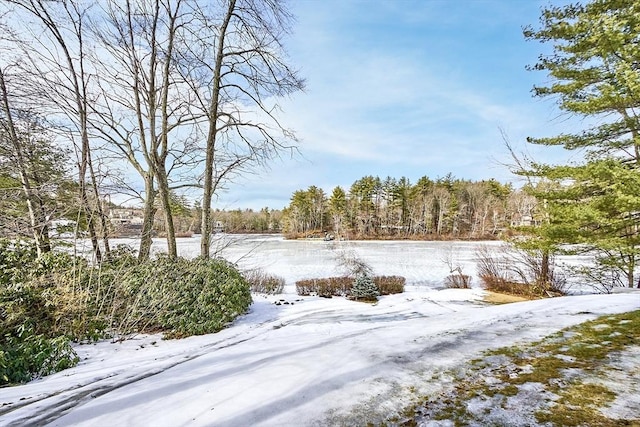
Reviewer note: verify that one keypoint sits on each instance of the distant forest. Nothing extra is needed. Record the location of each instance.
(375, 208)
(444, 208)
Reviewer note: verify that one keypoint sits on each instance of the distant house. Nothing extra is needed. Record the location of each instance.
(125, 216)
(126, 221)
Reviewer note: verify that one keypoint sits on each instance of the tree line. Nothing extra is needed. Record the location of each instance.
(443, 208)
(590, 206)
(188, 220)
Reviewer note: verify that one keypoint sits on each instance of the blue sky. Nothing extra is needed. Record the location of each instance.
(406, 88)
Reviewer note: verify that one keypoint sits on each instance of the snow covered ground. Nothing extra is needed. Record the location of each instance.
(312, 361)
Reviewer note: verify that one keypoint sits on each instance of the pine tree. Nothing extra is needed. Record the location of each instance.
(595, 74)
(364, 288)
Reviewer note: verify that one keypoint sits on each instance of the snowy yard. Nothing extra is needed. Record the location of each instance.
(312, 361)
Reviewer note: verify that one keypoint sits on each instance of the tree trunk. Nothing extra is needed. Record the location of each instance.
(207, 194)
(102, 217)
(84, 198)
(205, 227)
(545, 270)
(147, 220)
(630, 274)
(42, 226)
(91, 228)
(37, 219)
(165, 200)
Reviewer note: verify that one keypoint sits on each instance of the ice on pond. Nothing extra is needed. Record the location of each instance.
(422, 263)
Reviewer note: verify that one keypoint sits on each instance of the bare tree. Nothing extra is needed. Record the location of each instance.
(184, 92)
(55, 59)
(143, 107)
(522, 165)
(237, 90)
(194, 72)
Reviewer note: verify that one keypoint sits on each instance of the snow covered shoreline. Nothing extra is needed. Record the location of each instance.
(309, 360)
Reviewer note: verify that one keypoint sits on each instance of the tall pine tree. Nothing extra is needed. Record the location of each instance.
(595, 74)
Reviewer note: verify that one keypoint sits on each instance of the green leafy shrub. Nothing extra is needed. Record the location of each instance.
(33, 341)
(209, 296)
(179, 297)
(35, 299)
(27, 355)
(388, 285)
(364, 289)
(122, 256)
(46, 302)
(122, 297)
(265, 283)
(15, 259)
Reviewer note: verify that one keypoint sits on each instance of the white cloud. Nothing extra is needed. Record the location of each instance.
(399, 88)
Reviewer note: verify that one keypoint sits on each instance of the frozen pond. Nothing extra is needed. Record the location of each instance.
(425, 264)
(422, 263)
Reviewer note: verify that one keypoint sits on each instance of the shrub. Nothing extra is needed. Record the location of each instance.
(122, 255)
(364, 289)
(458, 281)
(519, 272)
(342, 286)
(180, 297)
(49, 300)
(30, 345)
(209, 296)
(35, 299)
(339, 285)
(27, 355)
(327, 287)
(37, 312)
(500, 285)
(15, 259)
(388, 285)
(305, 287)
(265, 283)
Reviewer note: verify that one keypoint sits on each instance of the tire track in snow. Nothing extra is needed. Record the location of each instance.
(46, 409)
(447, 340)
(43, 410)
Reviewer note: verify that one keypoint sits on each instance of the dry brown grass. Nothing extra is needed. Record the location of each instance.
(499, 298)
